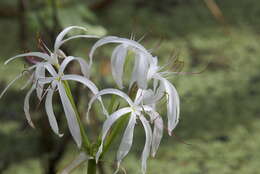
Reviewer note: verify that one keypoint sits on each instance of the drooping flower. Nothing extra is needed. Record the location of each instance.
(39, 79)
(136, 111)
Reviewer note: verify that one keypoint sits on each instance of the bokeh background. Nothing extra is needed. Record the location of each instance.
(220, 115)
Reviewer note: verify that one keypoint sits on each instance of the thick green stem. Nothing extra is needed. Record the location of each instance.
(92, 166)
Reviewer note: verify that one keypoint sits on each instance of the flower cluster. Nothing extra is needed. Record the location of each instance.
(48, 76)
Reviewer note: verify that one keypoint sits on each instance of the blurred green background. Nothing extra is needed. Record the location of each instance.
(220, 115)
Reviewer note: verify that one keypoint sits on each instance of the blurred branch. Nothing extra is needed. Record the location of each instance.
(100, 4)
(22, 6)
(8, 12)
(217, 13)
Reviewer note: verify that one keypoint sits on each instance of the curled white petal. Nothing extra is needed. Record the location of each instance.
(70, 116)
(39, 73)
(157, 131)
(78, 36)
(10, 84)
(34, 54)
(109, 91)
(86, 82)
(107, 125)
(75, 163)
(148, 142)
(113, 39)
(173, 105)
(50, 69)
(60, 37)
(117, 64)
(83, 65)
(141, 71)
(127, 140)
(50, 113)
(27, 106)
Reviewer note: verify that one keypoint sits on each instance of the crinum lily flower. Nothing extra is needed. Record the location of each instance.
(142, 60)
(58, 80)
(136, 111)
(39, 80)
(51, 58)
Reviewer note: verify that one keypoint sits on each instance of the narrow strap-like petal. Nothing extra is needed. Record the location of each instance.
(173, 105)
(142, 71)
(60, 37)
(156, 119)
(113, 39)
(157, 132)
(70, 116)
(78, 36)
(76, 162)
(127, 140)
(109, 91)
(86, 82)
(50, 113)
(117, 64)
(83, 65)
(148, 142)
(27, 106)
(50, 69)
(10, 84)
(39, 73)
(107, 125)
(34, 54)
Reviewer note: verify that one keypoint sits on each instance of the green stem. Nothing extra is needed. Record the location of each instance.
(92, 166)
(86, 143)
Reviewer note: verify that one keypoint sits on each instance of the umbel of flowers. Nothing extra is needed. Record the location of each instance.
(48, 77)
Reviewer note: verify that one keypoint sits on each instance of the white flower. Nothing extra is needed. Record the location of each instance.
(51, 58)
(136, 110)
(142, 60)
(39, 79)
(57, 81)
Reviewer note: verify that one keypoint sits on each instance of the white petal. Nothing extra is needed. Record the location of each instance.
(86, 82)
(29, 81)
(70, 116)
(39, 73)
(50, 113)
(10, 84)
(107, 125)
(113, 39)
(173, 105)
(27, 106)
(60, 37)
(75, 163)
(127, 139)
(109, 91)
(50, 69)
(142, 71)
(34, 54)
(78, 36)
(83, 65)
(45, 80)
(148, 142)
(157, 132)
(117, 64)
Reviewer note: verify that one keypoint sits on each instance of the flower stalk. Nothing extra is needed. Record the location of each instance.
(92, 166)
